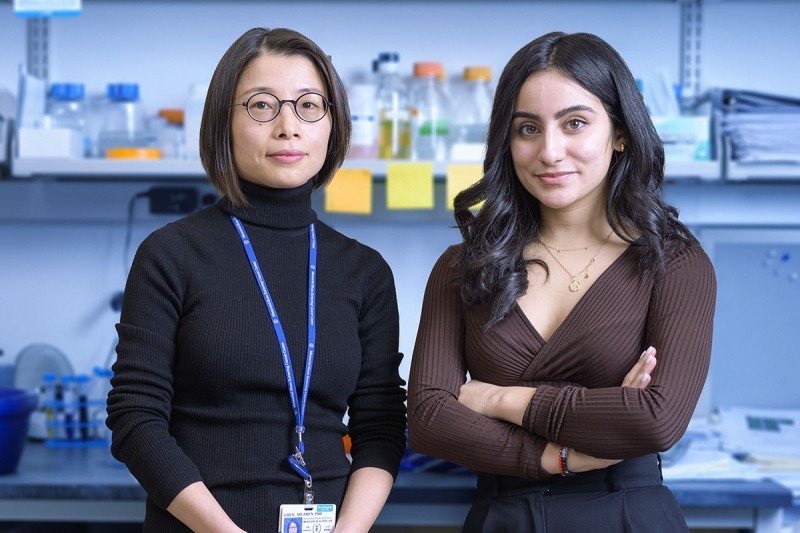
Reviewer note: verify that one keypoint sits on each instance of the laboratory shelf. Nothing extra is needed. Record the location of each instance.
(106, 168)
(119, 168)
(703, 170)
(109, 168)
(746, 172)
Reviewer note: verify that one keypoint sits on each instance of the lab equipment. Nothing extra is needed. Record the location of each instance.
(15, 408)
(75, 409)
(394, 137)
(430, 113)
(66, 109)
(363, 143)
(471, 115)
(123, 119)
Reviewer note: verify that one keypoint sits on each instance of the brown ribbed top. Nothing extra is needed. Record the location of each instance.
(578, 371)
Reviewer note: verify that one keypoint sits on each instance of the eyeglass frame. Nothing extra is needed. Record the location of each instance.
(328, 103)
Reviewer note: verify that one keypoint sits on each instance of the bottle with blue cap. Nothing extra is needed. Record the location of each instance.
(67, 110)
(123, 119)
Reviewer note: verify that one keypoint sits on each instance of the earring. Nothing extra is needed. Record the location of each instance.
(622, 148)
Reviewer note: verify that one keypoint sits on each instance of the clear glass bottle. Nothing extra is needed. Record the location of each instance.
(430, 113)
(67, 110)
(123, 119)
(394, 137)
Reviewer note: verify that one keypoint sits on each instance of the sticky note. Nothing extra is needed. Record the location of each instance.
(350, 192)
(459, 177)
(409, 185)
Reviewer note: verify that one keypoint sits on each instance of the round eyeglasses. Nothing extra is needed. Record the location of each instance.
(309, 107)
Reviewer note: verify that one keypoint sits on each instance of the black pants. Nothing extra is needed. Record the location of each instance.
(626, 497)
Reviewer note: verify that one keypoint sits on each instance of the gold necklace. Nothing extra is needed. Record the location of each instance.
(559, 250)
(575, 285)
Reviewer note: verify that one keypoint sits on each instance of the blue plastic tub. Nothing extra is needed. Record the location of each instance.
(15, 409)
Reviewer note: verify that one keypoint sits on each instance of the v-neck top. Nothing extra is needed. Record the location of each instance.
(577, 373)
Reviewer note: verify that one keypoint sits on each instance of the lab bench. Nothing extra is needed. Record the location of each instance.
(88, 485)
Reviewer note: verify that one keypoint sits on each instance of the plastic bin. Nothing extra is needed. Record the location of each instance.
(15, 409)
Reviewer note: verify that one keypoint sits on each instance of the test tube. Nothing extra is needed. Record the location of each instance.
(49, 395)
(68, 387)
(82, 390)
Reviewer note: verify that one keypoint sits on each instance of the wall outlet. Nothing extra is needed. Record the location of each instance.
(173, 200)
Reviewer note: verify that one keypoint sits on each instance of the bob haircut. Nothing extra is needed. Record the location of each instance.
(216, 152)
(491, 261)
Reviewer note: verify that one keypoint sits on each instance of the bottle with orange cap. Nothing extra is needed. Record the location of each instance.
(167, 128)
(430, 113)
(472, 122)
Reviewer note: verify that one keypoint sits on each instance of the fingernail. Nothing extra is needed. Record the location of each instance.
(645, 378)
(649, 358)
(651, 350)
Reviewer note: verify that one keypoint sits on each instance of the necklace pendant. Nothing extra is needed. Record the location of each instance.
(575, 286)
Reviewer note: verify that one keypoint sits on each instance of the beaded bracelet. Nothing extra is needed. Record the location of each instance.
(562, 462)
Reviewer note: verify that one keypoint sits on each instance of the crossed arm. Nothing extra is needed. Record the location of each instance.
(520, 435)
(510, 404)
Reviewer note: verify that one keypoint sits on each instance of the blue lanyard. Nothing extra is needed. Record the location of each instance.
(299, 407)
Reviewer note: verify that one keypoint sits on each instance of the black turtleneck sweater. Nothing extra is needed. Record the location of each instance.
(199, 392)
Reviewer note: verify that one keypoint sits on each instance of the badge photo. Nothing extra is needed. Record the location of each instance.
(298, 518)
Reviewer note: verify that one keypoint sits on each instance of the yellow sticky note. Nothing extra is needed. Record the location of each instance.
(350, 191)
(459, 177)
(409, 185)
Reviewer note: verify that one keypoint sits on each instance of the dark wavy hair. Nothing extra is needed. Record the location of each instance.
(215, 128)
(491, 263)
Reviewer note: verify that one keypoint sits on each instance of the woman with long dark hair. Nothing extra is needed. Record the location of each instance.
(570, 277)
(249, 328)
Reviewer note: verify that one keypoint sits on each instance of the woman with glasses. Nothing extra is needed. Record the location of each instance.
(250, 327)
(572, 276)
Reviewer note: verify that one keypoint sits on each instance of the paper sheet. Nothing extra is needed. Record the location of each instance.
(350, 192)
(409, 186)
(460, 177)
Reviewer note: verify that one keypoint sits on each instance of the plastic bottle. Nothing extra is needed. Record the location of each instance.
(167, 128)
(394, 137)
(123, 119)
(474, 109)
(430, 113)
(67, 110)
(364, 140)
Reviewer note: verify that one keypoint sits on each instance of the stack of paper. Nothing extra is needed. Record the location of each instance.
(762, 128)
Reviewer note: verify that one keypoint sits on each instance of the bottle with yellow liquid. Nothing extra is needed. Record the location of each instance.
(394, 119)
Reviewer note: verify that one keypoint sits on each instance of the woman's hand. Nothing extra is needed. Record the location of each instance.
(640, 375)
(478, 396)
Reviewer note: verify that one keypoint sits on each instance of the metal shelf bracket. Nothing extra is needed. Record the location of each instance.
(38, 52)
(691, 50)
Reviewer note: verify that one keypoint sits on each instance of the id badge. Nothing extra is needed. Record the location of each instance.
(299, 518)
